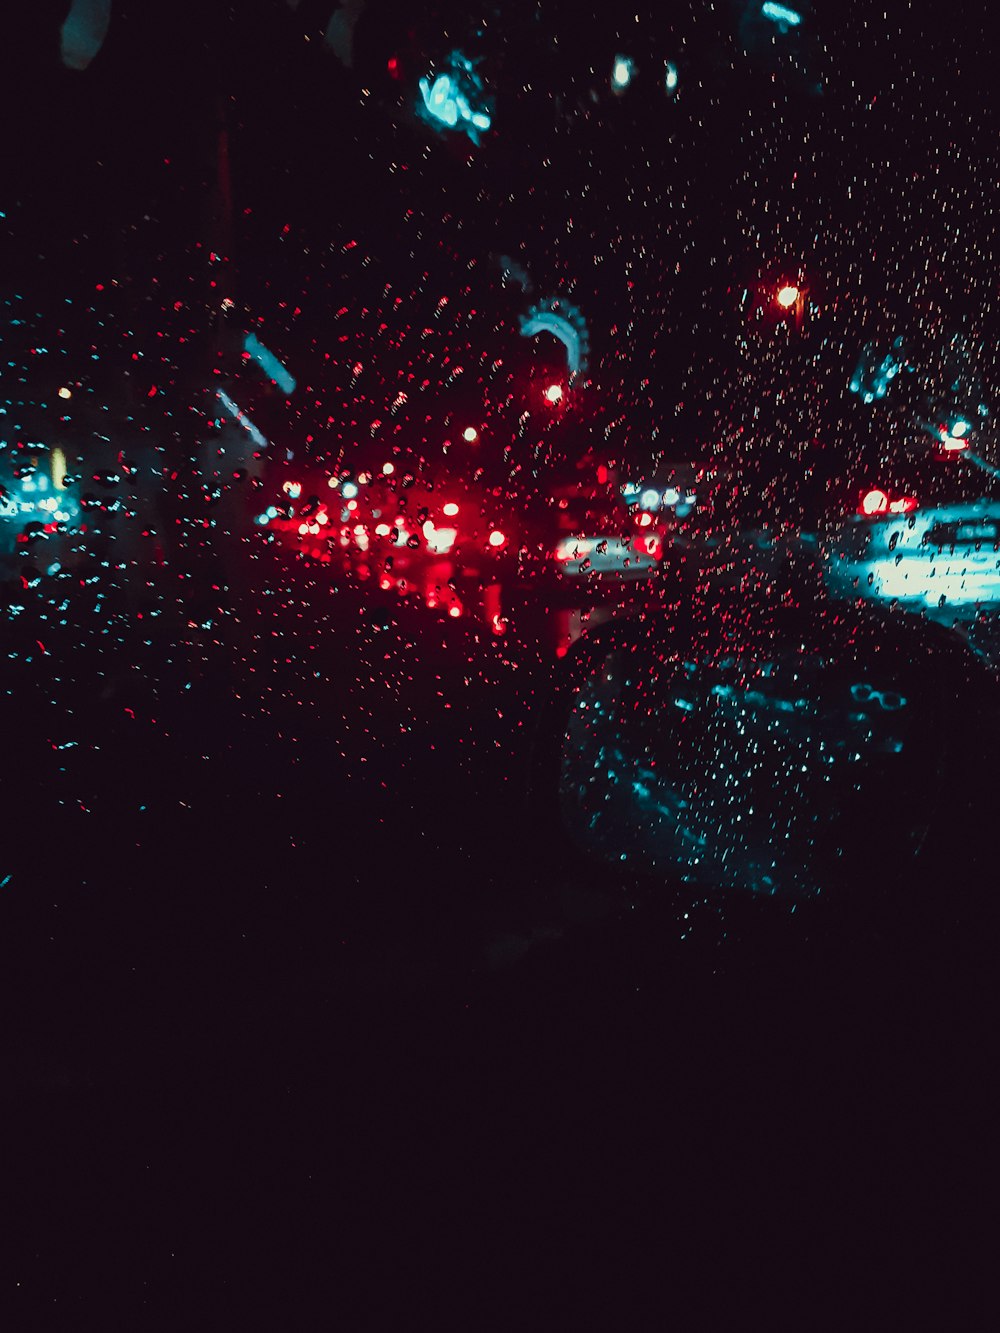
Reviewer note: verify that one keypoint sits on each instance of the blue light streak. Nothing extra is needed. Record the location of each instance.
(785, 18)
(269, 364)
(242, 418)
(83, 32)
(566, 323)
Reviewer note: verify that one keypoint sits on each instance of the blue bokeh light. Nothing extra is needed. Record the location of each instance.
(455, 99)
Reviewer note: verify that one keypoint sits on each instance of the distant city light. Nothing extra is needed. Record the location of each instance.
(554, 393)
(787, 296)
(471, 434)
(650, 499)
(349, 490)
(388, 469)
(671, 78)
(65, 393)
(959, 428)
(58, 468)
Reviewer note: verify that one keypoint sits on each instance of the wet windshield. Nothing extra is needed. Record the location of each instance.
(499, 520)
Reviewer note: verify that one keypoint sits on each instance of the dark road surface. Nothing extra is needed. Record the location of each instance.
(279, 961)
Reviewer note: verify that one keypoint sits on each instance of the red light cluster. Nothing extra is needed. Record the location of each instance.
(875, 503)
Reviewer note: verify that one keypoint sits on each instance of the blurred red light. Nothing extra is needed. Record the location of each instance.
(497, 538)
(554, 393)
(875, 502)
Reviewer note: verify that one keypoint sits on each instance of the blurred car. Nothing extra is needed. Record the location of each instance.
(732, 750)
(924, 534)
(599, 533)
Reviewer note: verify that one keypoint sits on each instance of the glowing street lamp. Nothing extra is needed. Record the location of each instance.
(788, 296)
(792, 299)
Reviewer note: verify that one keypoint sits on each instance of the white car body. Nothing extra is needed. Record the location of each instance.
(943, 560)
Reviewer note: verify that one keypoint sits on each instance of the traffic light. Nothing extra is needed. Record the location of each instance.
(874, 373)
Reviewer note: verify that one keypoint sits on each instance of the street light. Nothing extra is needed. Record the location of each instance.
(792, 298)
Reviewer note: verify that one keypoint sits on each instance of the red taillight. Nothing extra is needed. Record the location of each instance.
(875, 502)
(497, 538)
(951, 445)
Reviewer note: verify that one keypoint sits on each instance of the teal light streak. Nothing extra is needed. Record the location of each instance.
(269, 364)
(784, 17)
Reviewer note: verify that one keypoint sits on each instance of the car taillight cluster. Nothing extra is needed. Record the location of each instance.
(878, 504)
